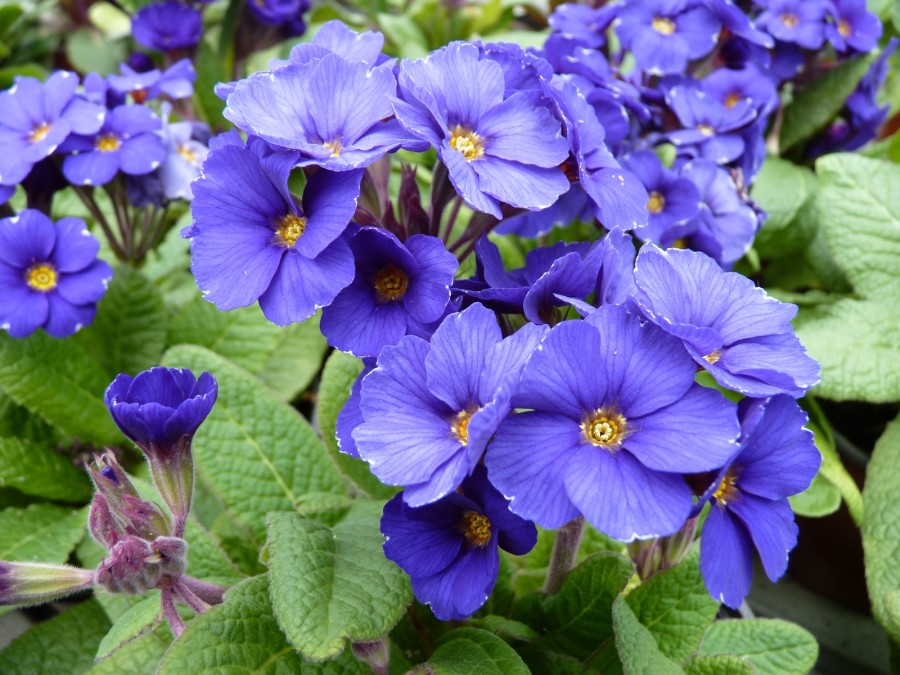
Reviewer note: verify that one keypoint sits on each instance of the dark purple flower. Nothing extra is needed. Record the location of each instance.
(738, 23)
(127, 142)
(430, 409)
(497, 148)
(854, 27)
(748, 498)
(252, 241)
(36, 117)
(166, 26)
(742, 336)
(176, 82)
(398, 289)
(50, 277)
(800, 22)
(276, 12)
(613, 418)
(572, 206)
(350, 416)
(450, 548)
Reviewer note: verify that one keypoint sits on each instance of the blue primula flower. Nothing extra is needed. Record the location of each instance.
(799, 22)
(50, 277)
(166, 26)
(450, 548)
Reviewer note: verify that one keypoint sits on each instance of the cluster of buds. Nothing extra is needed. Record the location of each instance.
(159, 410)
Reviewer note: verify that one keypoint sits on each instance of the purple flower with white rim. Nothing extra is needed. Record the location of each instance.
(36, 117)
(664, 35)
(709, 125)
(729, 326)
(748, 498)
(398, 288)
(336, 113)
(497, 148)
(854, 27)
(429, 409)
(247, 226)
(350, 416)
(582, 24)
(176, 81)
(736, 21)
(450, 548)
(571, 206)
(731, 87)
(126, 142)
(799, 22)
(613, 419)
(50, 277)
(337, 38)
(166, 26)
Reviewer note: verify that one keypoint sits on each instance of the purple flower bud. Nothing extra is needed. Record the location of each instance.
(36, 583)
(128, 513)
(173, 555)
(132, 566)
(101, 523)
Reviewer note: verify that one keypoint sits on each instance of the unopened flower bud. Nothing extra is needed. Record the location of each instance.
(129, 513)
(35, 583)
(173, 555)
(102, 525)
(131, 567)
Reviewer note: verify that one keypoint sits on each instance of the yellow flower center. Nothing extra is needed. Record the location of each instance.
(663, 25)
(41, 277)
(844, 28)
(476, 528)
(656, 203)
(459, 426)
(108, 143)
(288, 229)
(390, 283)
(334, 146)
(727, 489)
(467, 142)
(733, 99)
(187, 154)
(40, 132)
(706, 129)
(604, 429)
(713, 356)
(790, 20)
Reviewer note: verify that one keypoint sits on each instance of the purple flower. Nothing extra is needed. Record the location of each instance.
(450, 548)
(398, 289)
(183, 161)
(166, 26)
(582, 24)
(498, 148)
(36, 117)
(613, 419)
(127, 141)
(855, 27)
(748, 498)
(729, 326)
(571, 206)
(276, 12)
(350, 416)
(708, 124)
(800, 22)
(336, 38)
(252, 241)
(430, 409)
(672, 201)
(50, 277)
(176, 82)
(664, 35)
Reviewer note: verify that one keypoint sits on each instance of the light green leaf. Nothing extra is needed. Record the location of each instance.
(505, 628)
(255, 452)
(89, 51)
(64, 644)
(782, 189)
(285, 358)
(61, 382)
(138, 656)
(140, 619)
(724, 664)
(820, 499)
(331, 584)
(774, 647)
(675, 607)
(471, 651)
(635, 645)
(37, 470)
(241, 636)
(129, 333)
(881, 525)
(40, 533)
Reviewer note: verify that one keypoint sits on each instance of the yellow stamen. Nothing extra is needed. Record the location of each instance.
(334, 146)
(459, 425)
(41, 277)
(656, 203)
(713, 356)
(40, 132)
(663, 25)
(727, 489)
(790, 20)
(390, 283)
(706, 129)
(108, 143)
(604, 429)
(467, 142)
(844, 28)
(476, 528)
(288, 229)
(733, 99)
(187, 154)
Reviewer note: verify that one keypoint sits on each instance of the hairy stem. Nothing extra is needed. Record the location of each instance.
(568, 537)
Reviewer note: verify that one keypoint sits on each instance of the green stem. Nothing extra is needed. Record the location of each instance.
(565, 549)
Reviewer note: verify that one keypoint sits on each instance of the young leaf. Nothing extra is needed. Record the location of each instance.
(471, 651)
(140, 655)
(774, 647)
(635, 644)
(137, 621)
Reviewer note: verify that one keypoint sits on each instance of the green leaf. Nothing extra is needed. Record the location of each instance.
(635, 645)
(724, 664)
(129, 333)
(820, 499)
(471, 651)
(860, 219)
(255, 452)
(206, 557)
(242, 636)
(140, 619)
(40, 533)
(782, 189)
(285, 358)
(331, 584)
(818, 104)
(37, 470)
(210, 71)
(89, 51)
(139, 656)
(505, 628)
(64, 644)
(881, 524)
(675, 607)
(341, 371)
(774, 647)
(58, 380)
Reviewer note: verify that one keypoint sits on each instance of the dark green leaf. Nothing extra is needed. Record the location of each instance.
(37, 470)
(471, 651)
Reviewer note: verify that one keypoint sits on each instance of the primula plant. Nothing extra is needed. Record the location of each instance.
(446, 337)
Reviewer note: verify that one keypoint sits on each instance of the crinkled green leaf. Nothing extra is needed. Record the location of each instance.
(255, 452)
(40, 533)
(331, 584)
(129, 333)
(139, 656)
(724, 664)
(774, 647)
(472, 651)
(64, 644)
(285, 358)
(140, 619)
(635, 645)
(782, 189)
(505, 628)
(881, 524)
(61, 382)
(37, 470)
(675, 607)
